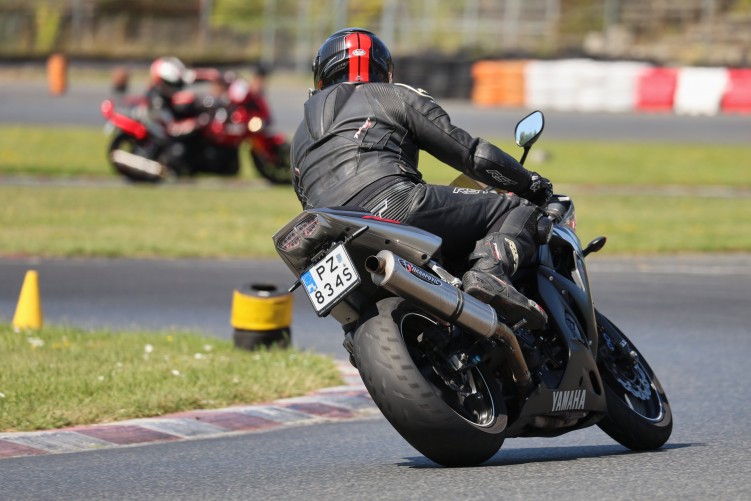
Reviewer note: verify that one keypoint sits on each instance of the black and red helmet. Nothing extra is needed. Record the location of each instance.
(352, 55)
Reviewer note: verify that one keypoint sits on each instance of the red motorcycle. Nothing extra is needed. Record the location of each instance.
(209, 141)
(247, 118)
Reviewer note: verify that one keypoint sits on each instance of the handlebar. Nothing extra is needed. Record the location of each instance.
(557, 207)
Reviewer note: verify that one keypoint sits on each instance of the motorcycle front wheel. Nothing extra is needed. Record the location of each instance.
(453, 418)
(272, 162)
(639, 415)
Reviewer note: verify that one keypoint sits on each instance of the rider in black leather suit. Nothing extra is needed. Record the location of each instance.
(358, 145)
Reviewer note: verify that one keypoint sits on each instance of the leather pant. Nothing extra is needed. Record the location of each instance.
(463, 217)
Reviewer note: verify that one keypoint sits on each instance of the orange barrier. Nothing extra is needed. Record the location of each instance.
(57, 74)
(498, 83)
(737, 97)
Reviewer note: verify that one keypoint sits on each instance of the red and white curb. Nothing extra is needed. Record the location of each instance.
(347, 402)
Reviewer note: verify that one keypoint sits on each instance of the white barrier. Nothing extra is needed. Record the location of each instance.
(699, 90)
(622, 85)
(539, 85)
(582, 85)
(587, 85)
(592, 86)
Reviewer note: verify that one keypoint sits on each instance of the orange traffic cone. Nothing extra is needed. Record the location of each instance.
(29, 310)
(57, 74)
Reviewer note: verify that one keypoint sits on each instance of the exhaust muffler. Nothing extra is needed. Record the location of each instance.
(445, 301)
(127, 160)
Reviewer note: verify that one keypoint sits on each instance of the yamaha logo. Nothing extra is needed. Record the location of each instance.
(358, 52)
(568, 400)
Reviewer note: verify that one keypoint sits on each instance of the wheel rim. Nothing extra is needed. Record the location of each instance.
(466, 393)
(125, 143)
(629, 378)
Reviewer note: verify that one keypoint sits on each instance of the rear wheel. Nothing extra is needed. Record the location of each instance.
(130, 146)
(455, 418)
(639, 415)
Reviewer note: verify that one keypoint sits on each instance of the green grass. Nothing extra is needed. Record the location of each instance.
(69, 151)
(645, 164)
(64, 151)
(143, 221)
(76, 151)
(623, 163)
(652, 224)
(63, 376)
(201, 221)
(215, 219)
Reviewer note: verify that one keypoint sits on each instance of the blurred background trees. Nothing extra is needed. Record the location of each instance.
(286, 32)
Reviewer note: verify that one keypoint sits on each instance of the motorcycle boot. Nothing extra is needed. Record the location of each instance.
(496, 259)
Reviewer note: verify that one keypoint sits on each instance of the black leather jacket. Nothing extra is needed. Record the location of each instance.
(357, 134)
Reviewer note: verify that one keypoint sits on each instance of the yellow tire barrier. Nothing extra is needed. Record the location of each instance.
(261, 316)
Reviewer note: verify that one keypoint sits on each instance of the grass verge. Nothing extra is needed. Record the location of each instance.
(64, 376)
(76, 151)
(655, 224)
(143, 221)
(231, 222)
(66, 152)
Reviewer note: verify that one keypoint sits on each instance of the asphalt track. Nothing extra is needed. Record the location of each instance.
(688, 315)
(31, 103)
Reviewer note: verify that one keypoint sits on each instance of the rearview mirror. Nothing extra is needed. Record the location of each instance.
(529, 129)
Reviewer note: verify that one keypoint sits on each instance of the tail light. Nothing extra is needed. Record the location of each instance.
(290, 242)
(308, 226)
(300, 234)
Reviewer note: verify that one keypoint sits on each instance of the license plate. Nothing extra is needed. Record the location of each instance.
(329, 280)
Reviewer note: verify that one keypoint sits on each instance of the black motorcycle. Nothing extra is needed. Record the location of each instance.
(452, 376)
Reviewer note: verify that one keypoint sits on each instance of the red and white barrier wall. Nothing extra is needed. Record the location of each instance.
(612, 86)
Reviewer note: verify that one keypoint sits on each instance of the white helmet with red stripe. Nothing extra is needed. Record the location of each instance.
(168, 71)
(352, 55)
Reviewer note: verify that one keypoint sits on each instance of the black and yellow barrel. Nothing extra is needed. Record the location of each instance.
(261, 316)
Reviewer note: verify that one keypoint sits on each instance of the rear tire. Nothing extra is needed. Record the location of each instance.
(130, 144)
(441, 423)
(639, 415)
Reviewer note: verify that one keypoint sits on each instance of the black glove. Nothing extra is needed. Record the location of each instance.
(540, 190)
